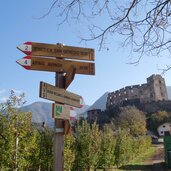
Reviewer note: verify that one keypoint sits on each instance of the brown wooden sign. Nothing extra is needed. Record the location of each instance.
(59, 51)
(56, 65)
(59, 95)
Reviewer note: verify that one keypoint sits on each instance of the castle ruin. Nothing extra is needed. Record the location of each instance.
(153, 90)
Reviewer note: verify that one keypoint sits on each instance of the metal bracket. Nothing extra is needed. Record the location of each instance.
(58, 130)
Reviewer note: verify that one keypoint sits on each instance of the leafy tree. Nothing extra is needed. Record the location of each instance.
(3, 142)
(95, 145)
(133, 120)
(82, 146)
(43, 157)
(16, 126)
(107, 146)
(124, 148)
(69, 152)
(158, 118)
(141, 144)
(33, 157)
(87, 145)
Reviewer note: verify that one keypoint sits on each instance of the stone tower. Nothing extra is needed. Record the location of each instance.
(157, 87)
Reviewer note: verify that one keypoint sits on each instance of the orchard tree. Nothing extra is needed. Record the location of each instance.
(143, 25)
(69, 153)
(17, 141)
(87, 146)
(82, 146)
(123, 148)
(107, 147)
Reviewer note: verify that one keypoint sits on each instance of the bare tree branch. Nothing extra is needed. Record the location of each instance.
(145, 25)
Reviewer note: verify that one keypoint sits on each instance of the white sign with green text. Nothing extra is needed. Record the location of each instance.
(60, 111)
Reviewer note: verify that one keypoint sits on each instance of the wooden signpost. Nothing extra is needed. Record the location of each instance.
(54, 58)
(60, 95)
(58, 51)
(56, 65)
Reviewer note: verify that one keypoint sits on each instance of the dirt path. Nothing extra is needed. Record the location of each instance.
(155, 163)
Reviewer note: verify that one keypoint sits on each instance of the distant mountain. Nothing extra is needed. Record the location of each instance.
(100, 103)
(42, 112)
(81, 110)
(169, 92)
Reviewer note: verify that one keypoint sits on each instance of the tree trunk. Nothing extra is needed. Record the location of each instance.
(16, 153)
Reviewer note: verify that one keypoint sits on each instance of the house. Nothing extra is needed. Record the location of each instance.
(93, 114)
(164, 129)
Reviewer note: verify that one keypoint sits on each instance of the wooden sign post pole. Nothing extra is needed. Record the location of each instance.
(58, 92)
(59, 132)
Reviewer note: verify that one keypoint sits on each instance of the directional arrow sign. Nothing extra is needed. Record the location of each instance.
(59, 51)
(59, 95)
(25, 62)
(56, 65)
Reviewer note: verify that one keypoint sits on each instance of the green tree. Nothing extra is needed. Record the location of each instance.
(95, 146)
(33, 158)
(4, 141)
(107, 146)
(42, 158)
(16, 127)
(133, 120)
(69, 152)
(82, 146)
(124, 148)
(87, 145)
(158, 118)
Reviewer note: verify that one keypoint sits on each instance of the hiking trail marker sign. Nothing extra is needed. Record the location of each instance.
(54, 58)
(60, 95)
(58, 51)
(60, 111)
(56, 65)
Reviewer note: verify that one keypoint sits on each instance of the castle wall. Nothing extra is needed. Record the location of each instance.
(153, 90)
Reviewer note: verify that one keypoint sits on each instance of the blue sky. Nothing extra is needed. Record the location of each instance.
(19, 25)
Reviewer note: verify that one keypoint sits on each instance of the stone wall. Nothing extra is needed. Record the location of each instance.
(153, 90)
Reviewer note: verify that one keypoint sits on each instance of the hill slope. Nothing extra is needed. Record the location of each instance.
(42, 112)
(100, 103)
